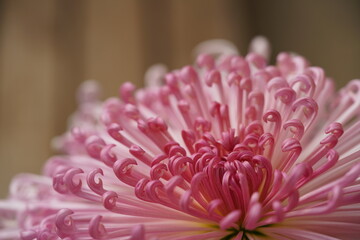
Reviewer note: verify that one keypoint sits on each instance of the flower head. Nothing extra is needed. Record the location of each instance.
(230, 148)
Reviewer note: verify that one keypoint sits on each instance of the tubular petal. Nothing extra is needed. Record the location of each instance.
(227, 148)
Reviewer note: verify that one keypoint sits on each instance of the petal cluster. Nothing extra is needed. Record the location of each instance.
(229, 148)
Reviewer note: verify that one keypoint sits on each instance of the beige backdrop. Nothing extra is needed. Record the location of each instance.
(48, 47)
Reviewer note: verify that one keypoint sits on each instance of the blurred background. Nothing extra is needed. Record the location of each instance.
(48, 47)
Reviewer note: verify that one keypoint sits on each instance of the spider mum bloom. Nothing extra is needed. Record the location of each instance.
(230, 148)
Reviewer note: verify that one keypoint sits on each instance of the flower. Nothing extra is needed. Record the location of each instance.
(230, 148)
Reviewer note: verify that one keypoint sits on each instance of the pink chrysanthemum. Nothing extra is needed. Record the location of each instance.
(230, 148)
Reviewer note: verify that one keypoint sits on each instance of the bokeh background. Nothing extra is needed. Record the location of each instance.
(48, 47)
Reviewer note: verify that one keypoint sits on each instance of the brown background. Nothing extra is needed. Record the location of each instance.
(48, 47)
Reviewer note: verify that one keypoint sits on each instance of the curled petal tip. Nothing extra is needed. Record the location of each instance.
(69, 179)
(286, 95)
(64, 223)
(296, 127)
(306, 83)
(136, 151)
(335, 128)
(59, 184)
(212, 77)
(122, 169)
(310, 107)
(114, 131)
(158, 170)
(234, 78)
(97, 187)
(96, 228)
(140, 189)
(109, 199)
(272, 116)
(151, 190)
